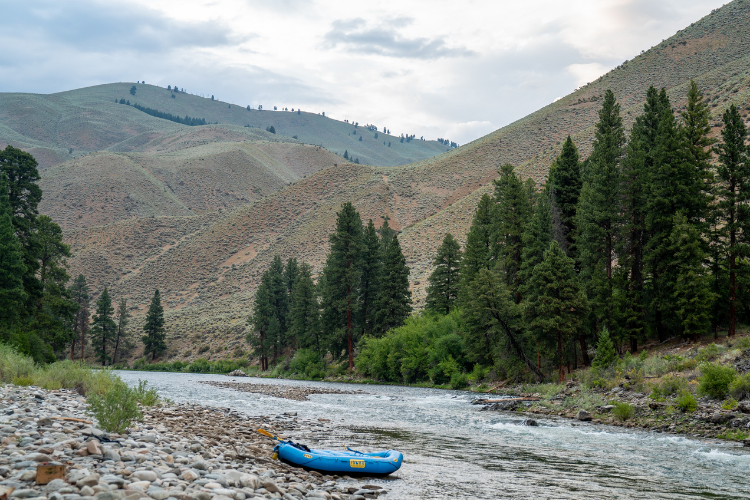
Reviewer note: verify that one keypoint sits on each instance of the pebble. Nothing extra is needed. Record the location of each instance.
(179, 452)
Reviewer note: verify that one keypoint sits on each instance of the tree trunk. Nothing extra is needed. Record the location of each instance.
(732, 281)
(584, 350)
(561, 374)
(633, 344)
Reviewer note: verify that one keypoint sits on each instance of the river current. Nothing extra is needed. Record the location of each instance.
(454, 451)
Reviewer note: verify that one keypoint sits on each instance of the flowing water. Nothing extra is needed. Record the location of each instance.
(453, 450)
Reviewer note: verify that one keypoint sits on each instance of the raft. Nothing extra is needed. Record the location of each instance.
(349, 462)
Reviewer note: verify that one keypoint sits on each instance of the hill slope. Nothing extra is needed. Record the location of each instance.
(58, 127)
(208, 267)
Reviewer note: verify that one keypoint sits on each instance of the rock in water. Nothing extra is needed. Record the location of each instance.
(583, 416)
(237, 373)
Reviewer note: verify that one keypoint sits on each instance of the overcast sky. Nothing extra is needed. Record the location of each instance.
(451, 69)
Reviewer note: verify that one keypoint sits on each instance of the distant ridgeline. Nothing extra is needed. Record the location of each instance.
(167, 116)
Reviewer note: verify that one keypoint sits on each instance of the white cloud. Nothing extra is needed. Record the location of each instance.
(434, 68)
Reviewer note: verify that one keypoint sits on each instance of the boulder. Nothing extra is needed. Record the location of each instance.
(583, 416)
(237, 373)
(94, 448)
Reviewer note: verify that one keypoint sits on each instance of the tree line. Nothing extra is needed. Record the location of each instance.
(187, 120)
(363, 290)
(644, 240)
(40, 315)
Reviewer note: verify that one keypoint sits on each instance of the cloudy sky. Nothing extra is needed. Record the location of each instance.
(454, 69)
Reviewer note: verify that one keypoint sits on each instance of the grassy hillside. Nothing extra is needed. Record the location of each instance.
(186, 173)
(59, 127)
(208, 267)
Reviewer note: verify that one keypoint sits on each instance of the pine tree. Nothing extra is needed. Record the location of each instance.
(556, 302)
(478, 244)
(371, 270)
(154, 341)
(696, 129)
(690, 287)
(605, 351)
(536, 237)
(492, 315)
(513, 210)
(566, 182)
(280, 303)
(54, 311)
(341, 278)
(304, 320)
(123, 318)
(79, 293)
(733, 192)
(394, 296)
(291, 273)
(103, 327)
(597, 213)
(12, 267)
(444, 281)
(260, 321)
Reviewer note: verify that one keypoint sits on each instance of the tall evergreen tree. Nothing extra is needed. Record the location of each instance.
(394, 296)
(597, 215)
(536, 237)
(79, 293)
(491, 315)
(696, 129)
(123, 318)
(513, 211)
(12, 267)
(442, 291)
(733, 191)
(280, 303)
(291, 272)
(154, 340)
(371, 270)
(103, 327)
(304, 320)
(479, 241)
(54, 311)
(341, 279)
(260, 321)
(565, 179)
(690, 287)
(556, 303)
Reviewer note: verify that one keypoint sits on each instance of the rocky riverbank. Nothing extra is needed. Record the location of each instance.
(297, 393)
(709, 420)
(178, 452)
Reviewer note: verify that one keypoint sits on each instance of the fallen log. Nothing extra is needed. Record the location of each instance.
(71, 419)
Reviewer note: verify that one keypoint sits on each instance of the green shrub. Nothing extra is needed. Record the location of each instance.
(459, 380)
(743, 344)
(23, 381)
(478, 373)
(686, 402)
(144, 395)
(14, 365)
(116, 409)
(736, 435)
(709, 353)
(623, 411)
(740, 387)
(670, 385)
(729, 404)
(307, 363)
(715, 380)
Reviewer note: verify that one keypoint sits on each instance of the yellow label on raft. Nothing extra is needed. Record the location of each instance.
(395, 459)
(307, 455)
(357, 464)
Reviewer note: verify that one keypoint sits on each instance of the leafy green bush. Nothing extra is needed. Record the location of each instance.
(729, 404)
(736, 435)
(144, 395)
(715, 380)
(740, 387)
(459, 380)
(116, 409)
(623, 411)
(709, 353)
(23, 381)
(478, 373)
(671, 384)
(307, 363)
(742, 343)
(428, 346)
(686, 402)
(14, 365)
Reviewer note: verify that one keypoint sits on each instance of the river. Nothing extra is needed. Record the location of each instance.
(454, 451)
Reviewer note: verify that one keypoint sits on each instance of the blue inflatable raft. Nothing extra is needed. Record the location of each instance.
(349, 462)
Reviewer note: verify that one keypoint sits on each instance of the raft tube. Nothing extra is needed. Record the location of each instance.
(348, 462)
